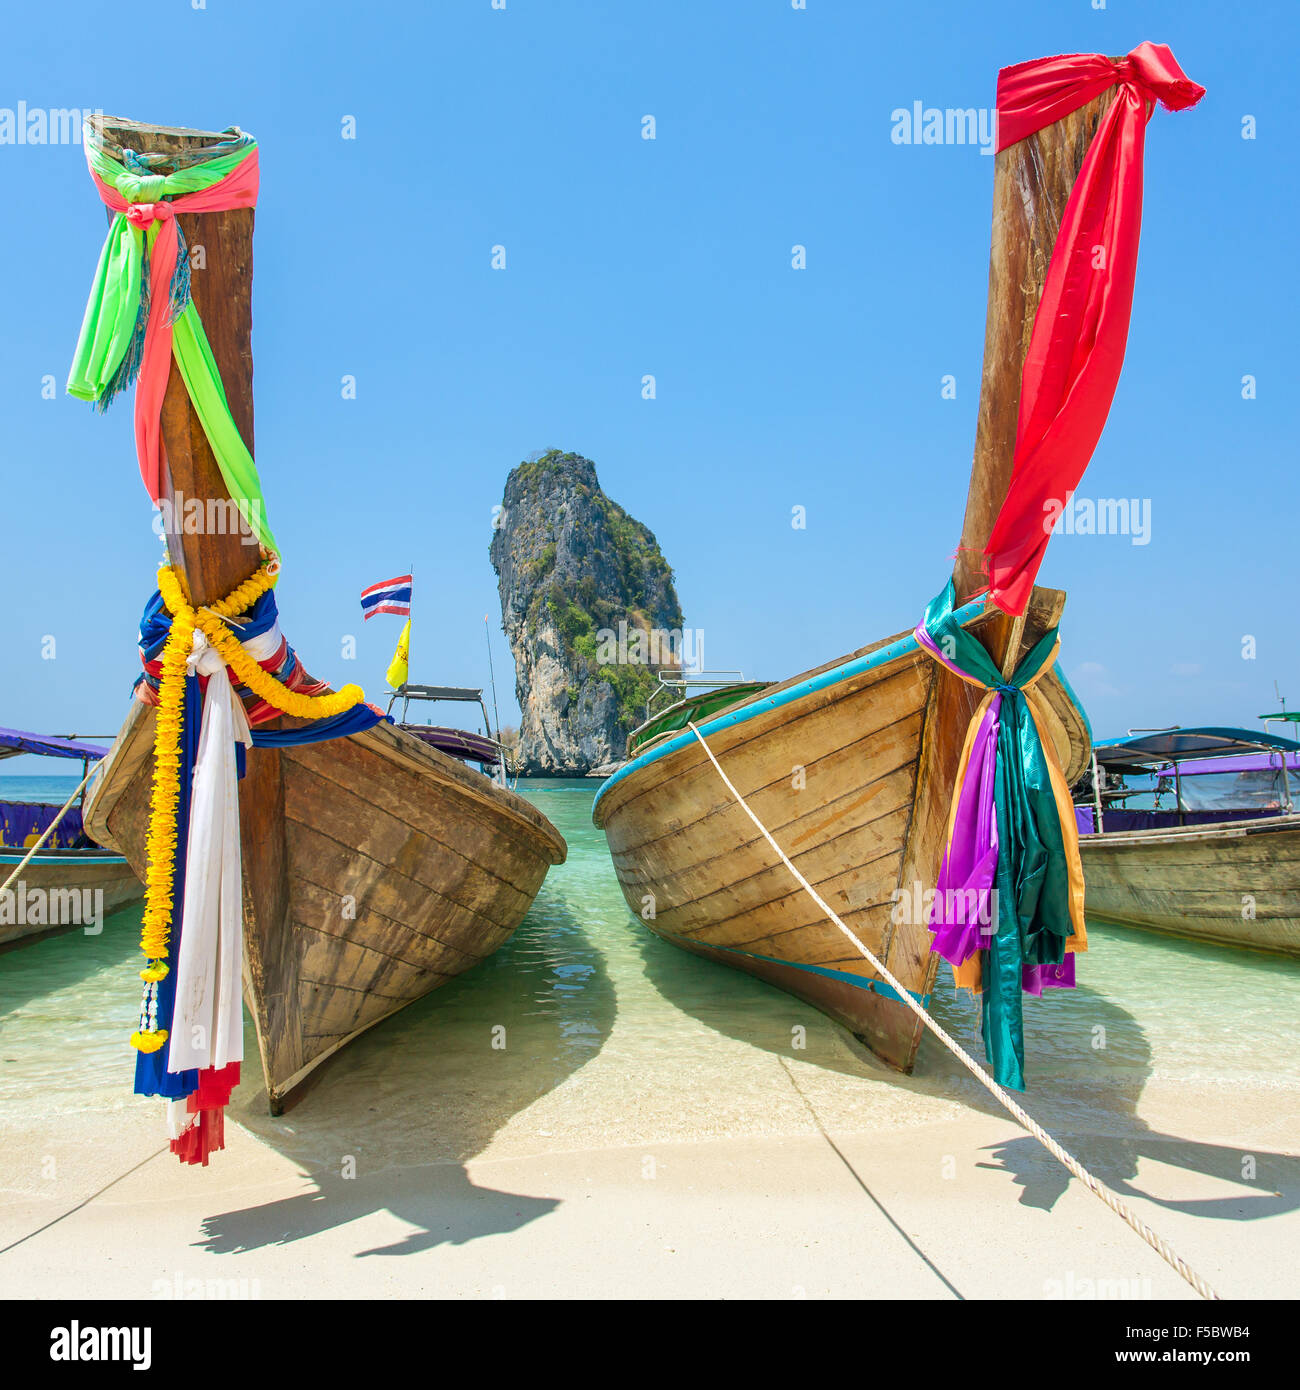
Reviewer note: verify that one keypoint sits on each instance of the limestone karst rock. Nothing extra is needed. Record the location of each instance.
(590, 612)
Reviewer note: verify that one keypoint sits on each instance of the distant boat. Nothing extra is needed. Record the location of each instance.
(465, 744)
(70, 879)
(375, 867)
(852, 766)
(1216, 855)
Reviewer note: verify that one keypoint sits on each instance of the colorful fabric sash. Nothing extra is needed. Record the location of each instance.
(140, 312)
(214, 672)
(191, 1020)
(1077, 345)
(1008, 905)
(261, 638)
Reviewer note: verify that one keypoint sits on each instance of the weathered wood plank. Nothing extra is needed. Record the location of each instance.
(1223, 885)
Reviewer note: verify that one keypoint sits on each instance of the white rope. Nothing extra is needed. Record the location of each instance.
(1097, 1188)
(49, 830)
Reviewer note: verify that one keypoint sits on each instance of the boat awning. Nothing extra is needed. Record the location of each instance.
(438, 692)
(1148, 751)
(1254, 760)
(15, 741)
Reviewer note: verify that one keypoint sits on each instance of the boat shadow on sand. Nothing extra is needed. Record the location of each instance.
(390, 1123)
(1089, 1062)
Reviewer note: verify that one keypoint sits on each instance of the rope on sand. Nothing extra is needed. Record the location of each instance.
(1094, 1185)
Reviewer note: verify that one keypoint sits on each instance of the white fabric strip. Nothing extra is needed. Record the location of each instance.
(207, 1022)
(264, 644)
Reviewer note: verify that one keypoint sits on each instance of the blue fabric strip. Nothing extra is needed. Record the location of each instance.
(353, 721)
(151, 1075)
(1074, 699)
(156, 622)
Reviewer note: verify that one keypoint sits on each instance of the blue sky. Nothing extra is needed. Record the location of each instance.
(775, 388)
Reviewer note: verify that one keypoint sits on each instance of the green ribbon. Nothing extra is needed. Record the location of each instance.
(1033, 881)
(109, 323)
(202, 380)
(113, 309)
(112, 331)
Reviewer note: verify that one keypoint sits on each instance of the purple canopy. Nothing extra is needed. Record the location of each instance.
(1248, 762)
(14, 741)
(473, 748)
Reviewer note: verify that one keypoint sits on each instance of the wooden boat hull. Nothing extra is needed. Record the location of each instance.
(1236, 884)
(385, 869)
(851, 769)
(58, 874)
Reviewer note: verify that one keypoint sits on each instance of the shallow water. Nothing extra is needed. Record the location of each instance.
(611, 1036)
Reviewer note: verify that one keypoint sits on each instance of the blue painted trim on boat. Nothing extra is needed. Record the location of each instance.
(846, 671)
(63, 858)
(860, 981)
(1074, 699)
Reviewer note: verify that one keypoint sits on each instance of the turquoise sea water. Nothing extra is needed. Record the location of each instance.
(55, 789)
(613, 1033)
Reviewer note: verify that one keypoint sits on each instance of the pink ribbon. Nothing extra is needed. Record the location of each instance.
(142, 214)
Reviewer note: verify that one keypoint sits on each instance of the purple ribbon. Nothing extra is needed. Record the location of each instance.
(1034, 979)
(962, 917)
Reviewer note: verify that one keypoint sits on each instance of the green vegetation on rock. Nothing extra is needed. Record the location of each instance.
(572, 564)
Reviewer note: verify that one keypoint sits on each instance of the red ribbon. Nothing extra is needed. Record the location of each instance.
(208, 1105)
(1081, 327)
(237, 190)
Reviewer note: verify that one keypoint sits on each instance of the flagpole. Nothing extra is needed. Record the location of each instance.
(496, 714)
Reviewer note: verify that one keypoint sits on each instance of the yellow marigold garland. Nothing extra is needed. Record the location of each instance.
(164, 803)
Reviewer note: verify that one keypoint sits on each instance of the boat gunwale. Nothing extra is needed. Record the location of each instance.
(110, 858)
(789, 692)
(132, 748)
(503, 802)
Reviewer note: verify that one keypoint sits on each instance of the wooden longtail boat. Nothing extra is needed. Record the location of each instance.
(852, 766)
(375, 868)
(1222, 864)
(73, 885)
(69, 883)
(876, 737)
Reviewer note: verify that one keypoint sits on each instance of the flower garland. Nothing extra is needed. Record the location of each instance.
(164, 802)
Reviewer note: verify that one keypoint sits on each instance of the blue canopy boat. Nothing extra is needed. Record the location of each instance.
(69, 881)
(1194, 832)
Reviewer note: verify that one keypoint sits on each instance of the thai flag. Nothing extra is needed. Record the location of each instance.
(392, 596)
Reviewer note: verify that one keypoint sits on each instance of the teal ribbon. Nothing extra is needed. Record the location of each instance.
(1032, 881)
